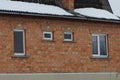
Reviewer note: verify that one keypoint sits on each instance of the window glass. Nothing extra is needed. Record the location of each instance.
(102, 45)
(95, 45)
(18, 42)
(47, 35)
(67, 36)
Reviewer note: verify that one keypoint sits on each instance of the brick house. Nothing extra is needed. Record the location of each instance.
(48, 46)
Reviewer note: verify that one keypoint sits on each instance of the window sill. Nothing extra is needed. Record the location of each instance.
(100, 57)
(48, 40)
(69, 41)
(20, 56)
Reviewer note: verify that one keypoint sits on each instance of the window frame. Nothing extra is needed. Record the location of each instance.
(23, 31)
(71, 33)
(48, 32)
(98, 43)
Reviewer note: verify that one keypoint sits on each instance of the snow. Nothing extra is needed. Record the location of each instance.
(32, 7)
(115, 5)
(54, 10)
(97, 13)
(4, 0)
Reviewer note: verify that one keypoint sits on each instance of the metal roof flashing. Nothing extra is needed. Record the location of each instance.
(75, 16)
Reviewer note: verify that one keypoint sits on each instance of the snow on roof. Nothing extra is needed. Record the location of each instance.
(54, 10)
(32, 7)
(115, 5)
(97, 13)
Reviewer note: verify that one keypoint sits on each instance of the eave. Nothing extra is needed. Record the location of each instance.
(59, 16)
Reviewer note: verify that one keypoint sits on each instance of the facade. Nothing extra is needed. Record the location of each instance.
(37, 47)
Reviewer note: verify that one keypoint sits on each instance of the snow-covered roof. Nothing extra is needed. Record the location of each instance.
(97, 13)
(32, 7)
(115, 5)
(26, 7)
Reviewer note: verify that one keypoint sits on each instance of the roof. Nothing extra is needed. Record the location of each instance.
(97, 13)
(32, 8)
(35, 9)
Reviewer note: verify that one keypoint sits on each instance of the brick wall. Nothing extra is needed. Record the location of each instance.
(57, 56)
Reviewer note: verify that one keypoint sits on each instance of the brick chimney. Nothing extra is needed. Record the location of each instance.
(68, 4)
